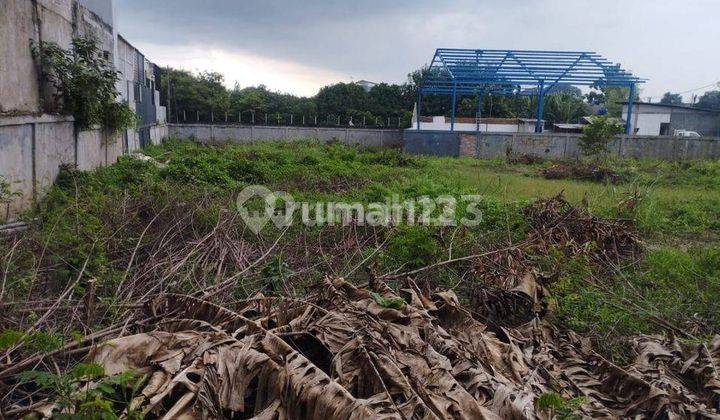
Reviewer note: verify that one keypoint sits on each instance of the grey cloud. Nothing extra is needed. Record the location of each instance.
(668, 41)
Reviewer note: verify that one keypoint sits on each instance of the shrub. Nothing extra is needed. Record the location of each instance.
(6, 194)
(85, 84)
(597, 135)
(413, 246)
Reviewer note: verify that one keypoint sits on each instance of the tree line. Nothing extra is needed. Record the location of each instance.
(204, 96)
(708, 100)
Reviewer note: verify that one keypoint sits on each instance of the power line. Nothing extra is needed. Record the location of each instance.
(701, 87)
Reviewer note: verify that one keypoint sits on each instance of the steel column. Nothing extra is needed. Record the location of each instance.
(452, 107)
(479, 112)
(541, 105)
(631, 105)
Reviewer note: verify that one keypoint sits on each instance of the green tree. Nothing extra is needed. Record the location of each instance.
(342, 98)
(710, 100)
(386, 100)
(614, 97)
(564, 108)
(196, 95)
(671, 99)
(250, 102)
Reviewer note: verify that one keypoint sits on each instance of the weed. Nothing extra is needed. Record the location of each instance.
(96, 219)
(85, 81)
(111, 395)
(557, 406)
(412, 247)
(597, 135)
(395, 303)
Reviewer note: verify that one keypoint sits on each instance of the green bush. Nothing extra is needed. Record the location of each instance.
(6, 193)
(85, 84)
(412, 247)
(596, 135)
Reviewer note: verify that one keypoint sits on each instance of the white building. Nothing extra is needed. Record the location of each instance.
(654, 119)
(493, 125)
(139, 80)
(366, 84)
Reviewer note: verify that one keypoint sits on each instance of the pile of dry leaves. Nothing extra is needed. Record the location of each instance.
(581, 171)
(355, 352)
(352, 352)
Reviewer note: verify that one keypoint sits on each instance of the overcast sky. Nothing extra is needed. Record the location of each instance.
(299, 46)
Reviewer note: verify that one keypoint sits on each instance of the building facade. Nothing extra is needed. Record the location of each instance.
(35, 139)
(139, 88)
(654, 119)
(492, 125)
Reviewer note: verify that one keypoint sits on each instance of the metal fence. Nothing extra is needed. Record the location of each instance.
(282, 119)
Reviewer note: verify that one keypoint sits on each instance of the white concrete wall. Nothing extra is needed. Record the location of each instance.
(125, 63)
(439, 123)
(32, 149)
(34, 144)
(23, 22)
(105, 9)
(554, 145)
(649, 124)
(647, 119)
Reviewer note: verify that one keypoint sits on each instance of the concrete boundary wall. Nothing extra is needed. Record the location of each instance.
(208, 133)
(32, 149)
(554, 145)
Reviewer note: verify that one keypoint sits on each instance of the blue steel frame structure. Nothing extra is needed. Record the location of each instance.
(519, 72)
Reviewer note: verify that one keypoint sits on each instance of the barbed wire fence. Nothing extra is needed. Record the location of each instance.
(252, 117)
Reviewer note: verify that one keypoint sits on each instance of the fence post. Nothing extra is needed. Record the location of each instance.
(266, 118)
(363, 121)
(184, 119)
(212, 117)
(197, 114)
(240, 117)
(291, 119)
(338, 123)
(315, 119)
(303, 120)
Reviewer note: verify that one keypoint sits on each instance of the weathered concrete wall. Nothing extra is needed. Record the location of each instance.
(25, 21)
(433, 143)
(32, 149)
(705, 123)
(246, 134)
(158, 133)
(18, 84)
(554, 146)
(16, 166)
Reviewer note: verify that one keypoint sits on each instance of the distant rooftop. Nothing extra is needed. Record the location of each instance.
(680, 106)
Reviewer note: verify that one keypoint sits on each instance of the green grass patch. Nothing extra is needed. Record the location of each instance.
(91, 222)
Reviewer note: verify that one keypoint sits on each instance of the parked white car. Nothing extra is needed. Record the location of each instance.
(686, 133)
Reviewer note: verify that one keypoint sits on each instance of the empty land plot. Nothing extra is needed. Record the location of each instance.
(108, 253)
